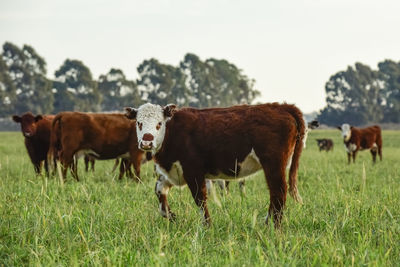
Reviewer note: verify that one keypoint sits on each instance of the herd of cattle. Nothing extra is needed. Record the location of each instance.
(189, 146)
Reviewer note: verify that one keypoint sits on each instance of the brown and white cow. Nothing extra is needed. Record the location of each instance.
(101, 136)
(36, 130)
(191, 145)
(356, 139)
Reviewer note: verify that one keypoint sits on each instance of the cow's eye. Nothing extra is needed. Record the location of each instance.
(159, 125)
(140, 125)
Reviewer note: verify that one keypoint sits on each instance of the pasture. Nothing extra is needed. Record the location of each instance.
(350, 215)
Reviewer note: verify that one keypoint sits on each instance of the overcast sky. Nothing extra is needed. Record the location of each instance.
(290, 48)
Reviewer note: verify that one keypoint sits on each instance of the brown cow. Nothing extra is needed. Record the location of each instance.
(325, 144)
(356, 139)
(191, 145)
(101, 136)
(36, 130)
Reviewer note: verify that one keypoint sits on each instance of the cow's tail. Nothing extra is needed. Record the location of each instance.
(298, 147)
(55, 140)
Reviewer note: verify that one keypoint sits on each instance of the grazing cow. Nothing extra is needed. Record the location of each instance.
(36, 130)
(191, 145)
(356, 139)
(325, 144)
(100, 136)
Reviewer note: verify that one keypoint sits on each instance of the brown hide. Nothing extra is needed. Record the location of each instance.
(214, 140)
(36, 130)
(365, 138)
(107, 135)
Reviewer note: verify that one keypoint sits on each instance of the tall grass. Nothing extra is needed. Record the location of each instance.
(350, 216)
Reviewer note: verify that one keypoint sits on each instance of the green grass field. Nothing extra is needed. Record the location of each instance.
(350, 216)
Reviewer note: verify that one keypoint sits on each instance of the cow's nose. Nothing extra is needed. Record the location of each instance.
(146, 145)
(148, 137)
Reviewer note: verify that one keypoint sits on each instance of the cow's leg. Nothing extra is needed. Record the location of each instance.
(373, 153)
(46, 167)
(37, 167)
(242, 187)
(74, 169)
(354, 156)
(92, 163)
(129, 172)
(121, 169)
(137, 162)
(55, 165)
(199, 193)
(275, 175)
(161, 189)
(348, 157)
(86, 159)
(66, 161)
(380, 152)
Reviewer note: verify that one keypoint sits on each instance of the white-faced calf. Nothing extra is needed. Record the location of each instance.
(191, 145)
(356, 139)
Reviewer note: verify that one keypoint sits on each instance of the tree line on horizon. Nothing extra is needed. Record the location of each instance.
(24, 85)
(359, 95)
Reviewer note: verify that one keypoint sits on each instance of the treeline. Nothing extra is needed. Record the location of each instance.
(361, 95)
(24, 85)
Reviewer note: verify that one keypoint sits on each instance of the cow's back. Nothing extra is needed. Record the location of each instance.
(219, 137)
(108, 135)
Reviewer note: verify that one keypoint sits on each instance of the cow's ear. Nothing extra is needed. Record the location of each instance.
(339, 127)
(130, 113)
(38, 118)
(16, 118)
(169, 110)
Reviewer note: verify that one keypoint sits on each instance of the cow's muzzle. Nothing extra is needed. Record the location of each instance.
(146, 145)
(147, 142)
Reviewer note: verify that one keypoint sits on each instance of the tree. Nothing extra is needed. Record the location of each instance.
(27, 71)
(390, 72)
(201, 81)
(75, 89)
(353, 96)
(7, 91)
(161, 83)
(234, 87)
(117, 91)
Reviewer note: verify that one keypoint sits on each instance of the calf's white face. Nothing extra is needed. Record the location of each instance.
(150, 124)
(346, 131)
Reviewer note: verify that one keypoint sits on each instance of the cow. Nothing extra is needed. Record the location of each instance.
(36, 131)
(191, 145)
(100, 136)
(325, 144)
(356, 139)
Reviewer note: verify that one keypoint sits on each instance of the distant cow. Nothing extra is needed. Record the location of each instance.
(191, 145)
(356, 139)
(36, 130)
(325, 144)
(101, 136)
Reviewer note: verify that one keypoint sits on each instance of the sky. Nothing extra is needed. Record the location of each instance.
(290, 48)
